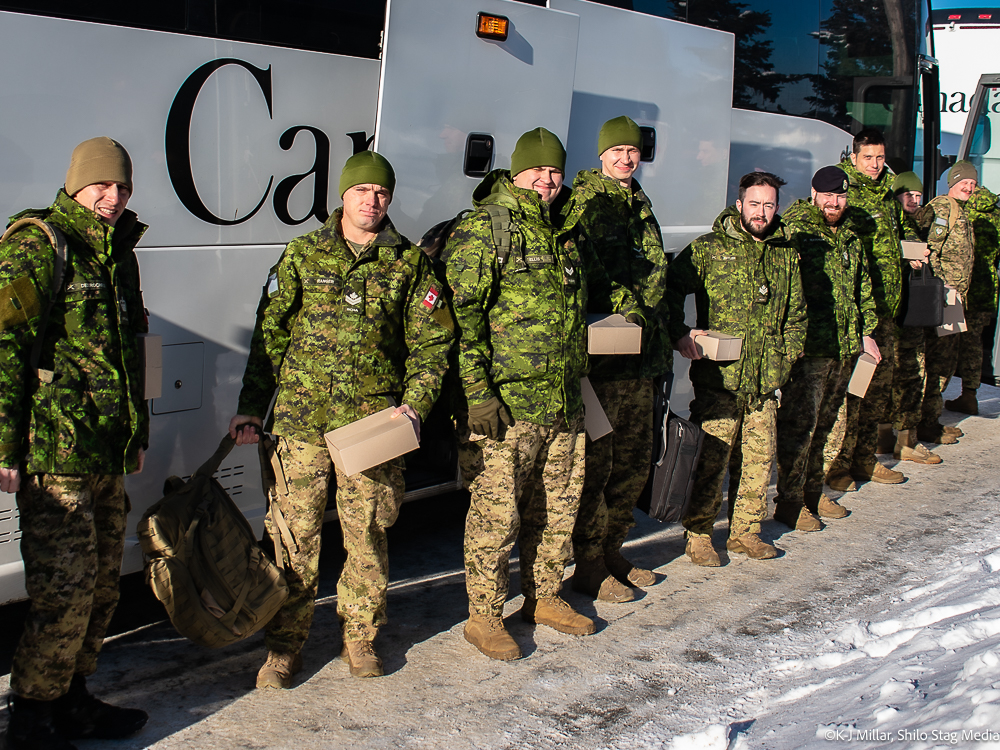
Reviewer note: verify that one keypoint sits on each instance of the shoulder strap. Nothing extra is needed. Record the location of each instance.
(953, 213)
(58, 271)
(502, 224)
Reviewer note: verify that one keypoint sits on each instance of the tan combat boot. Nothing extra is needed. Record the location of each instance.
(840, 479)
(826, 507)
(278, 670)
(796, 517)
(908, 449)
(362, 659)
(557, 614)
(489, 635)
(886, 439)
(625, 571)
(872, 470)
(592, 577)
(948, 429)
(752, 546)
(701, 551)
(967, 403)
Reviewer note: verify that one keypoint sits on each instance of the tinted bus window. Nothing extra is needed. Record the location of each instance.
(817, 58)
(344, 27)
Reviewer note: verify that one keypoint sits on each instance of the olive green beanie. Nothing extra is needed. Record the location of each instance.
(367, 168)
(537, 148)
(98, 160)
(907, 182)
(621, 131)
(962, 170)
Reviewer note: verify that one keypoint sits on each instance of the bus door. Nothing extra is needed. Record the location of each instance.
(676, 82)
(452, 103)
(981, 146)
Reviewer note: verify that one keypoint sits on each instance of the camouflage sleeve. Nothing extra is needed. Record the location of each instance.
(430, 332)
(865, 300)
(140, 324)
(472, 275)
(280, 302)
(946, 244)
(683, 278)
(26, 270)
(796, 320)
(655, 284)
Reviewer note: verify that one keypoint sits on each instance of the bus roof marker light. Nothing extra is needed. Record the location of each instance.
(492, 27)
(985, 16)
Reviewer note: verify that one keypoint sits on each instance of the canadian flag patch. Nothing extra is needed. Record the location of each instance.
(431, 298)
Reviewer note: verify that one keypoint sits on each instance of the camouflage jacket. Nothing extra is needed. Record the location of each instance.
(523, 328)
(877, 220)
(339, 335)
(85, 412)
(744, 288)
(835, 281)
(950, 241)
(626, 239)
(985, 217)
(910, 229)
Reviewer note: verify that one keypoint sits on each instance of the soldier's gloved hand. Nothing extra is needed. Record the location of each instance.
(485, 418)
(635, 319)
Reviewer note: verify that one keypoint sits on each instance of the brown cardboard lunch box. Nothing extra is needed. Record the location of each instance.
(720, 347)
(371, 441)
(612, 334)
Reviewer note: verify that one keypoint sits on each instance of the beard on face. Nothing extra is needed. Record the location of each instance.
(760, 231)
(832, 216)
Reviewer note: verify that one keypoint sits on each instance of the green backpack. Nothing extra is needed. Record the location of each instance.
(202, 560)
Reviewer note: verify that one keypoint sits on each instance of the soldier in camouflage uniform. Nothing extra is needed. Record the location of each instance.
(877, 221)
(618, 218)
(842, 316)
(73, 422)
(910, 347)
(746, 281)
(522, 353)
(351, 321)
(951, 242)
(981, 306)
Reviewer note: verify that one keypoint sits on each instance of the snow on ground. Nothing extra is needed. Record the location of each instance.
(924, 673)
(880, 631)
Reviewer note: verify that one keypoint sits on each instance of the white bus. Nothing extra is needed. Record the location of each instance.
(239, 115)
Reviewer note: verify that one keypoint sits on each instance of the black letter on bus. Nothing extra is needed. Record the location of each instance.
(320, 172)
(177, 141)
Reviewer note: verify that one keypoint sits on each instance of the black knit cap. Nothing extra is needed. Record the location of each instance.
(830, 180)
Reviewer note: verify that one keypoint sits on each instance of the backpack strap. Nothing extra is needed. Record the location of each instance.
(502, 226)
(953, 213)
(58, 241)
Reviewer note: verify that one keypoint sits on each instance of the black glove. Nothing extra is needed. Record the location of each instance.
(485, 418)
(635, 319)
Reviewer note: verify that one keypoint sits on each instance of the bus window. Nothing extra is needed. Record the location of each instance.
(984, 150)
(343, 27)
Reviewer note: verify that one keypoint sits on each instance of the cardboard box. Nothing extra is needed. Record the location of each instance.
(954, 313)
(371, 441)
(914, 250)
(612, 334)
(720, 347)
(151, 358)
(597, 421)
(862, 375)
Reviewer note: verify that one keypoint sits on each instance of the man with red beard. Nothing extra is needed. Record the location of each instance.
(838, 293)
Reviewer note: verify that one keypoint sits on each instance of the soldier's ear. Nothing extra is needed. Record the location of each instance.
(739, 205)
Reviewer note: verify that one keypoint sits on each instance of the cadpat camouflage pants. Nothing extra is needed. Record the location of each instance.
(859, 418)
(908, 385)
(810, 401)
(525, 486)
(741, 441)
(970, 349)
(367, 504)
(940, 361)
(617, 467)
(72, 539)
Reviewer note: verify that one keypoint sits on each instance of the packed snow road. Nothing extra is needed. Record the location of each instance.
(881, 629)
